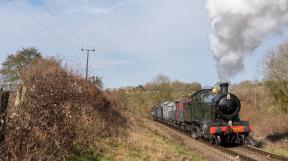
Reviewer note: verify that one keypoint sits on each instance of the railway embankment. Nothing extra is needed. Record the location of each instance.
(57, 115)
(203, 150)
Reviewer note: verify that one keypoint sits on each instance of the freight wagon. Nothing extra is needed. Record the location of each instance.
(168, 108)
(179, 111)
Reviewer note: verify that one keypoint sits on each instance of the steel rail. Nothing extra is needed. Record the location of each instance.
(265, 153)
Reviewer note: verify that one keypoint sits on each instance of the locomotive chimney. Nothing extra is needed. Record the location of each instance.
(224, 88)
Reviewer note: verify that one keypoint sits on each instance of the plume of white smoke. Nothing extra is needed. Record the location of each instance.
(239, 28)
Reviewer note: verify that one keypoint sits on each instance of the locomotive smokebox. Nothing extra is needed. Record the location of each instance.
(224, 88)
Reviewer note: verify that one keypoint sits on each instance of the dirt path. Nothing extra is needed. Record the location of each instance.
(203, 150)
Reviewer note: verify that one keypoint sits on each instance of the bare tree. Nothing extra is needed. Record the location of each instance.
(276, 74)
(276, 63)
(162, 85)
(161, 79)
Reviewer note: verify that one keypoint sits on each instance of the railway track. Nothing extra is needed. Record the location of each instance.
(244, 152)
(267, 154)
(251, 154)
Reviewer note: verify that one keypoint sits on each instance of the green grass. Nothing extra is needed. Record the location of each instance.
(279, 151)
(79, 154)
(179, 149)
(183, 151)
(115, 144)
(134, 152)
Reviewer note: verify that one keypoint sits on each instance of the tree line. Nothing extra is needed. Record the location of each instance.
(275, 71)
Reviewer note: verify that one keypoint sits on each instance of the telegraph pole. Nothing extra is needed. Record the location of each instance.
(87, 62)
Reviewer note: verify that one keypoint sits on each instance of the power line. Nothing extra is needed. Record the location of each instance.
(39, 22)
(62, 23)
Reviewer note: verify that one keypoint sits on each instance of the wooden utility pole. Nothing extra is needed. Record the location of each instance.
(87, 63)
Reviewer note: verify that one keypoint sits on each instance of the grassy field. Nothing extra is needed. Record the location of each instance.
(142, 144)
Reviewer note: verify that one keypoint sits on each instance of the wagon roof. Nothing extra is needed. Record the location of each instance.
(182, 99)
(167, 102)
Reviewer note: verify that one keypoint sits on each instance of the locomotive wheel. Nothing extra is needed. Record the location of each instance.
(212, 140)
(194, 133)
(218, 140)
(242, 140)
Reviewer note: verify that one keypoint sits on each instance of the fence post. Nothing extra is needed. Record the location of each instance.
(4, 101)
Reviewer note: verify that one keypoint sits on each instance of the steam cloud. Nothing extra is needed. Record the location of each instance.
(239, 28)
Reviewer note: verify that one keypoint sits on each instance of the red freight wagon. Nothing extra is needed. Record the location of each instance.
(179, 109)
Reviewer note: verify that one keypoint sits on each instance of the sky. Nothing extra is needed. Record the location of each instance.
(134, 40)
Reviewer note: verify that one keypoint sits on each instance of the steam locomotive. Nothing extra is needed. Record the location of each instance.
(209, 114)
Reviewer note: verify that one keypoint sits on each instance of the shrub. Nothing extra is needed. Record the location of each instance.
(258, 107)
(60, 110)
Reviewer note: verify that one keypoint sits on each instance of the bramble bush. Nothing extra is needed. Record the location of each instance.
(60, 110)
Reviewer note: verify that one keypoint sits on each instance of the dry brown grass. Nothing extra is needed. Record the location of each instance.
(143, 143)
(60, 110)
(261, 110)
